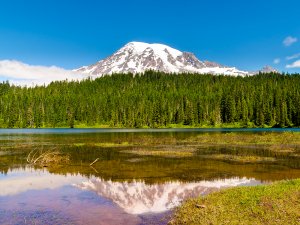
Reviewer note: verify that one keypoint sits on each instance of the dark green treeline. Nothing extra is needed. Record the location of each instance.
(155, 100)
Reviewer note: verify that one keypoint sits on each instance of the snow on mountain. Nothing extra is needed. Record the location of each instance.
(265, 69)
(268, 69)
(138, 57)
(137, 197)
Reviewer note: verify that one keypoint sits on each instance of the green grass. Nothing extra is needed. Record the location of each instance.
(278, 203)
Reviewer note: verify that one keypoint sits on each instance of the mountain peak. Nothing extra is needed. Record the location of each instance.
(138, 57)
(159, 49)
(268, 69)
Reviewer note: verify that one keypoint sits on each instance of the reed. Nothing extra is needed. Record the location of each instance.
(47, 157)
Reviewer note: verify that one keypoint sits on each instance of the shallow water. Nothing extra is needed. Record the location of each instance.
(123, 186)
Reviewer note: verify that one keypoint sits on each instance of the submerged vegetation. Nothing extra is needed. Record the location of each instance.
(158, 157)
(278, 203)
(51, 157)
(155, 99)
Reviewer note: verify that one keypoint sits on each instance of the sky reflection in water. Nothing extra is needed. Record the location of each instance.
(36, 193)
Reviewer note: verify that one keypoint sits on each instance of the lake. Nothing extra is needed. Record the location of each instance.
(132, 176)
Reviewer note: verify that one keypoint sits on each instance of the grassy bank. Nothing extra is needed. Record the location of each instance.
(278, 203)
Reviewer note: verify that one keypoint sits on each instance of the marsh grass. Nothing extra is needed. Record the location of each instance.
(162, 153)
(45, 158)
(273, 140)
(240, 158)
(278, 203)
(79, 144)
(112, 144)
(231, 147)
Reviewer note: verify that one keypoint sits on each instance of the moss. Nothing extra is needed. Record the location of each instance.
(278, 203)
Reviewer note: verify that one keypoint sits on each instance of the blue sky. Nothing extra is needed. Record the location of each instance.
(69, 34)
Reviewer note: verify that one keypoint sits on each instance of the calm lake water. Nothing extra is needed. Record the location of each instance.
(138, 176)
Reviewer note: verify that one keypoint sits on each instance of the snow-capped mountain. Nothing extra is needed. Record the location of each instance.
(138, 57)
(137, 197)
(268, 69)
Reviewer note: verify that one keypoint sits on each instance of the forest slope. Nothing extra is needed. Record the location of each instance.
(155, 99)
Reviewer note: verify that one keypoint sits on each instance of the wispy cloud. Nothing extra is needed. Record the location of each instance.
(20, 73)
(276, 61)
(295, 64)
(288, 41)
(295, 56)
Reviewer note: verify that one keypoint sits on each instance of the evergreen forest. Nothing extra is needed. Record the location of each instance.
(153, 100)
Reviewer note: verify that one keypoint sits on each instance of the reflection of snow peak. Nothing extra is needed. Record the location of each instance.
(138, 197)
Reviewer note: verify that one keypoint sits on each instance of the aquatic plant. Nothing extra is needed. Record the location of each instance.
(47, 157)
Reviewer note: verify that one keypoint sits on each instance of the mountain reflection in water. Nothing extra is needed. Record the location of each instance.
(134, 197)
(137, 197)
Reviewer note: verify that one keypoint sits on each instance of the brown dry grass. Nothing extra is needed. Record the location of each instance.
(47, 158)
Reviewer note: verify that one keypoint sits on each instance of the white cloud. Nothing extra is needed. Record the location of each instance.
(20, 181)
(276, 61)
(295, 56)
(295, 64)
(23, 74)
(288, 41)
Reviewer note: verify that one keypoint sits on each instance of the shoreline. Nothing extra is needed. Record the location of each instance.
(277, 202)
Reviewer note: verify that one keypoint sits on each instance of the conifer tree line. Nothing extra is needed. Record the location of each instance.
(155, 99)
